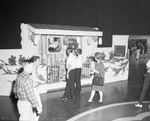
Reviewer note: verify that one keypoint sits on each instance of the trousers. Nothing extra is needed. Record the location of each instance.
(146, 84)
(25, 110)
(70, 88)
(78, 79)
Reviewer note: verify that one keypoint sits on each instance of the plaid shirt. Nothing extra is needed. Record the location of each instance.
(23, 89)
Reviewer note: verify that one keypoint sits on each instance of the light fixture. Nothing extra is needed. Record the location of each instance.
(30, 35)
(100, 40)
(65, 40)
(50, 39)
(36, 39)
(89, 40)
(78, 39)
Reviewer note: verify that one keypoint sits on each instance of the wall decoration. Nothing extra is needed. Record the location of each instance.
(54, 44)
(21, 59)
(119, 50)
(12, 60)
(111, 63)
(72, 42)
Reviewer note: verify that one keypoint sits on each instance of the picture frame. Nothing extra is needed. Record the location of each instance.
(54, 44)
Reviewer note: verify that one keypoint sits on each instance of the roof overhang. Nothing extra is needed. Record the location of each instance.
(63, 30)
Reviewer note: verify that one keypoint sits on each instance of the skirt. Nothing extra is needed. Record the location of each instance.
(98, 88)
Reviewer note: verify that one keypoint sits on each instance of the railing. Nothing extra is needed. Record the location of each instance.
(53, 73)
(86, 69)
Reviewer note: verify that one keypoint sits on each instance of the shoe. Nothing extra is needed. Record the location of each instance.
(138, 105)
(64, 99)
(71, 97)
(77, 92)
(100, 101)
(89, 101)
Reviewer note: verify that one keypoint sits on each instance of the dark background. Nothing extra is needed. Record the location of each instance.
(123, 17)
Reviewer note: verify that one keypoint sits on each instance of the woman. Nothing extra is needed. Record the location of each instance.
(99, 70)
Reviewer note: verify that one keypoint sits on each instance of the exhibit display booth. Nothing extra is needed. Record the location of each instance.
(50, 43)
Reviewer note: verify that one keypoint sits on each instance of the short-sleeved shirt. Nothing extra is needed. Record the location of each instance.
(72, 61)
(79, 61)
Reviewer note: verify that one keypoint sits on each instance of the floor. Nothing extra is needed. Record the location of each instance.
(118, 103)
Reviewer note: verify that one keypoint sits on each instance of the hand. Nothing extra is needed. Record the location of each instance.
(67, 76)
(39, 110)
(41, 77)
(16, 96)
(96, 71)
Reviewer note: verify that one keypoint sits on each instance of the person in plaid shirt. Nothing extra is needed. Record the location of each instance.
(24, 91)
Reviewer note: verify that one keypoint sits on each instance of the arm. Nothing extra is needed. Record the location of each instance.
(31, 95)
(28, 85)
(15, 88)
(102, 70)
(40, 78)
(95, 71)
(69, 68)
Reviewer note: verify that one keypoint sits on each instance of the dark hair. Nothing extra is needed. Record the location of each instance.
(34, 58)
(79, 51)
(20, 70)
(98, 55)
(69, 50)
(27, 61)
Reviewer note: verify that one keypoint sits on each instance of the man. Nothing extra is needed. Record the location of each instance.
(146, 84)
(70, 65)
(23, 90)
(78, 71)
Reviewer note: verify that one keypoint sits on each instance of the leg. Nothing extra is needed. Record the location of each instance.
(72, 82)
(101, 96)
(39, 101)
(67, 89)
(91, 96)
(78, 80)
(25, 111)
(146, 84)
(144, 88)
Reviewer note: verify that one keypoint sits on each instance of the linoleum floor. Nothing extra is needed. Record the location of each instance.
(118, 102)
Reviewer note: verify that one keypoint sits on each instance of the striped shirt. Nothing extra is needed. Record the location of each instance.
(23, 88)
